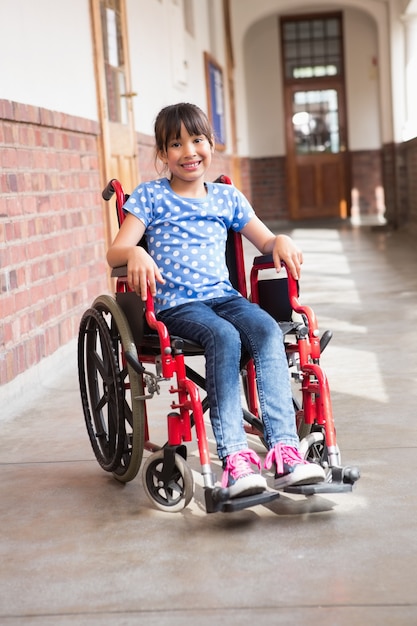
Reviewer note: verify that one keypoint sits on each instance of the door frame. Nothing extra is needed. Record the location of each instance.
(290, 86)
(108, 138)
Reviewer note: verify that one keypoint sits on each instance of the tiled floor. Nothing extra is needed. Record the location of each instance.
(76, 547)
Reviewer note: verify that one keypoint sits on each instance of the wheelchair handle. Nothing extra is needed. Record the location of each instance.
(108, 191)
(114, 186)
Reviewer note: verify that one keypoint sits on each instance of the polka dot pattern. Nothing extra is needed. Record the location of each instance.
(186, 237)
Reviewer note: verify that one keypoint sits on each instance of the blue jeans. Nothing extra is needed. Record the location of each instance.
(222, 326)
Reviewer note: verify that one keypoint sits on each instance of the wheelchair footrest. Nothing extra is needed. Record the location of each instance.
(215, 502)
(340, 480)
(324, 487)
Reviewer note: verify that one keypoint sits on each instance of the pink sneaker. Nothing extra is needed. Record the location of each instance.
(291, 468)
(239, 476)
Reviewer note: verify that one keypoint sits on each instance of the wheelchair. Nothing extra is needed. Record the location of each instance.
(125, 353)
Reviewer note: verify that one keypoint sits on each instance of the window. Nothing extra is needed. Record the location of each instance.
(312, 48)
(114, 60)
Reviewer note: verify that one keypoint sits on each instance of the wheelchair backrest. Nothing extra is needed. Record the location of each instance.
(235, 262)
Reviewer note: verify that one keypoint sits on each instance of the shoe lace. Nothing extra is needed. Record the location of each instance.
(239, 464)
(281, 454)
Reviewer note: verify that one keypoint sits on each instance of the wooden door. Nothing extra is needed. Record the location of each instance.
(316, 152)
(114, 91)
(314, 96)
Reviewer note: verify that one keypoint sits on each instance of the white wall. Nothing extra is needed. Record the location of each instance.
(264, 95)
(154, 40)
(46, 55)
(362, 81)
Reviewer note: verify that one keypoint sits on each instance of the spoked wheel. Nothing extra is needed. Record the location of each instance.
(314, 449)
(172, 490)
(107, 320)
(134, 404)
(101, 390)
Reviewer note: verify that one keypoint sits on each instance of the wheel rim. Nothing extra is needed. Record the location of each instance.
(314, 449)
(168, 494)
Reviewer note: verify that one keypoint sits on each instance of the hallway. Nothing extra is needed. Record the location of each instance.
(78, 548)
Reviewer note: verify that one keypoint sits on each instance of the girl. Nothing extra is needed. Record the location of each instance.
(186, 220)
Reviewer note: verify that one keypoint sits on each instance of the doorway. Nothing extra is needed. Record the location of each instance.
(114, 94)
(315, 113)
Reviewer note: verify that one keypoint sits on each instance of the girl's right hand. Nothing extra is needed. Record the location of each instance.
(142, 272)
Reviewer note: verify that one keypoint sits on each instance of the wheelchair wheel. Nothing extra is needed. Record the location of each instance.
(169, 493)
(101, 390)
(110, 337)
(314, 449)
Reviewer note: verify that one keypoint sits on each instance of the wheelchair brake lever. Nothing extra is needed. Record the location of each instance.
(133, 361)
(324, 340)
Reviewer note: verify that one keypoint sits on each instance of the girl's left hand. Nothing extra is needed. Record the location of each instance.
(285, 250)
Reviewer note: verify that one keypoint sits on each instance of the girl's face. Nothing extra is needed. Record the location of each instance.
(187, 157)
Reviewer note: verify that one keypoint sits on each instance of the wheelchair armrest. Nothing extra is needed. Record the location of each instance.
(119, 272)
(266, 262)
(265, 259)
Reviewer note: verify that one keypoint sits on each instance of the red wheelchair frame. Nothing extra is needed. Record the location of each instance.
(119, 336)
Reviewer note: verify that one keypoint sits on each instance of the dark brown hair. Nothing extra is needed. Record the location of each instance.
(168, 124)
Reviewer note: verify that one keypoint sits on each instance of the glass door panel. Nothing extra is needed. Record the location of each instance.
(315, 121)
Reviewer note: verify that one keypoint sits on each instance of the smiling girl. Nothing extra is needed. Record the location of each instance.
(185, 220)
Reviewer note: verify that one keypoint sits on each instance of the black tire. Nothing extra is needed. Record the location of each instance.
(173, 494)
(130, 406)
(101, 390)
(133, 405)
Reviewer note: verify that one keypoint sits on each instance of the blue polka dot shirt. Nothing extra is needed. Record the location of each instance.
(186, 238)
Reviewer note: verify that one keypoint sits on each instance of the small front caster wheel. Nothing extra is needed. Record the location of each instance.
(172, 492)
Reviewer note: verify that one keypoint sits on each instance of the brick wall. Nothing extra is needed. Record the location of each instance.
(410, 149)
(146, 157)
(52, 251)
(267, 185)
(245, 180)
(400, 182)
(268, 189)
(221, 164)
(367, 183)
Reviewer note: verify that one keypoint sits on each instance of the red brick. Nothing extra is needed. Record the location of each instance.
(7, 301)
(6, 368)
(17, 254)
(14, 206)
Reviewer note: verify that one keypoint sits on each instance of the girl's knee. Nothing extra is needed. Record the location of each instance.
(225, 334)
(267, 327)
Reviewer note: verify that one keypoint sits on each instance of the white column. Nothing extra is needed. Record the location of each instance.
(410, 24)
